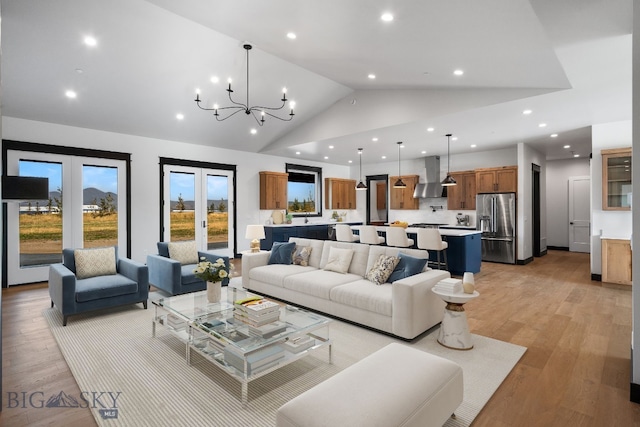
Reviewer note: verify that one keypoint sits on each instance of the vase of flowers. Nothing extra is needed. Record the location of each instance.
(213, 273)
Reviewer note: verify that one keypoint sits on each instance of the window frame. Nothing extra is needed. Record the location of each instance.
(311, 170)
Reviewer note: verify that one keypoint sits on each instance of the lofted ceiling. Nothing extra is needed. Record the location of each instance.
(568, 62)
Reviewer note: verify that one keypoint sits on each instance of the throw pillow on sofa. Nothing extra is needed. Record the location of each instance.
(339, 260)
(407, 266)
(301, 255)
(281, 253)
(382, 269)
(184, 252)
(95, 262)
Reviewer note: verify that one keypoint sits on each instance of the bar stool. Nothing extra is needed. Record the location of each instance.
(431, 240)
(397, 236)
(344, 234)
(369, 235)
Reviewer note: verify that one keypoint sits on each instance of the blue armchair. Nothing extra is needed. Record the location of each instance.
(175, 278)
(73, 295)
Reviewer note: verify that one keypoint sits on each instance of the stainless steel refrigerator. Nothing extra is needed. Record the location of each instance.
(496, 218)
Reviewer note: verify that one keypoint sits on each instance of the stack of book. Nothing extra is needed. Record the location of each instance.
(256, 312)
(298, 343)
(257, 361)
(176, 322)
(269, 330)
(452, 286)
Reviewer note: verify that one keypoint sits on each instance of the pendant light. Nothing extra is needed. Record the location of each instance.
(361, 185)
(399, 183)
(448, 181)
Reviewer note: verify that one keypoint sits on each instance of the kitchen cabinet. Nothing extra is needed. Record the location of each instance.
(463, 194)
(339, 193)
(273, 190)
(402, 198)
(616, 261)
(497, 180)
(616, 179)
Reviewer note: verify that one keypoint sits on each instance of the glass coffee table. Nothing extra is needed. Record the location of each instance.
(243, 351)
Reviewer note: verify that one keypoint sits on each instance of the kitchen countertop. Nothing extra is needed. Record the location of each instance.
(443, 232)
(310, 223)
(615, 237)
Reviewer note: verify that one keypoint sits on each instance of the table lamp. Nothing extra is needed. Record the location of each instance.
(255, 233)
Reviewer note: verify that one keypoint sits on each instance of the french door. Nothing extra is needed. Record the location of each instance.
(86, 207)
(199, 205)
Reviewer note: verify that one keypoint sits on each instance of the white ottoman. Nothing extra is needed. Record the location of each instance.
(395, 386)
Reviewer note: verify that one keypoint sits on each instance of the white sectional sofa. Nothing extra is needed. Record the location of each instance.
(405, 308)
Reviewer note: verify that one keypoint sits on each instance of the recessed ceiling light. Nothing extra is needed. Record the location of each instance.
(455, 138)
(423, 152)
(253, 131)
(576, 155)
(215, 79)
(458, 72)
(180, 116)
(298, 153)
(374, 139)
(554, 135)
(350, 161)
(386, 17)
(326, 157)
(430, 129)
(527, 112)
(70, 94)
(372, 76)
(90, 41)
(384, 157)
(79, 70)
(542, 125)
(473, 145)
(331, 147)
(567, 146)
(291, 36)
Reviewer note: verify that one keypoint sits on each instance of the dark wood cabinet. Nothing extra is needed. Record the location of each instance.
(497, 180)
(339, 193)
(463, 194)
(402, 198)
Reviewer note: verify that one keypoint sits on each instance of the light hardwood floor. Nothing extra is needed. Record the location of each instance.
(576, 370)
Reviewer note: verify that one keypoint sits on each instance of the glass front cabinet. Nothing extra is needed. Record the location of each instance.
(616, 179)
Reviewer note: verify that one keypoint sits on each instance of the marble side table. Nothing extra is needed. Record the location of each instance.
(454, 329)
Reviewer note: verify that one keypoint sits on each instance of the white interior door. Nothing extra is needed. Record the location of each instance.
(579, 214)
(86, 208)
(198, 205)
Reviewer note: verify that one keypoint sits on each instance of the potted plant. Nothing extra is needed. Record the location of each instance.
(213, 273)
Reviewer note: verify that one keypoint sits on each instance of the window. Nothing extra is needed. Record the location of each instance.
(304, 190)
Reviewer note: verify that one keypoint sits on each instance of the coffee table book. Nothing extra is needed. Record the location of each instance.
(258, 359)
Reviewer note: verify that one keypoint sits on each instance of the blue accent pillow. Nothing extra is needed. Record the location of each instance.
(408, 266)
(282, 253)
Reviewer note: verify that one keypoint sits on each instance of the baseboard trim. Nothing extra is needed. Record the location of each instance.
(524, 261)
(558, 248)
(596, 277)
(543, 253)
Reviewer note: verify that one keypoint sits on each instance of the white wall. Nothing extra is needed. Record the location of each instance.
(145, 185)
(526, 157)
(606, 223)
(635, 242)
(558, 173)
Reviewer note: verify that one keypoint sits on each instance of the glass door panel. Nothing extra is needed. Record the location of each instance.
(99, 206)
(217, 211)
(40, 221)
(182, 190)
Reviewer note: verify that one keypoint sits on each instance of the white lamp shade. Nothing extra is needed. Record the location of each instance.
(255, 232)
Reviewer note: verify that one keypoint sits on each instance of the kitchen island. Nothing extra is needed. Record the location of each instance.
(465, 249)
(312, 230)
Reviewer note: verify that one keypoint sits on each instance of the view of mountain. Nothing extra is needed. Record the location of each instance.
(89, 196)
(189, 205)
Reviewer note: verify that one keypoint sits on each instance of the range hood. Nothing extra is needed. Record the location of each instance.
(433, 187)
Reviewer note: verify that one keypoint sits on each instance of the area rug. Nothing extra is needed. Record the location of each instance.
(113, 357)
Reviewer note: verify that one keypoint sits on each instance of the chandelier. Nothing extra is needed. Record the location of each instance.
(248, 110)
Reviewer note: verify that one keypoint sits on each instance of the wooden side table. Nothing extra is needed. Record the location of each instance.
(454, 329)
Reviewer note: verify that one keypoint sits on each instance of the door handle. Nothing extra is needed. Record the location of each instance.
(571, 223)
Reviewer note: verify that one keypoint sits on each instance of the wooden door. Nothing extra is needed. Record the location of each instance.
(616, 261)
